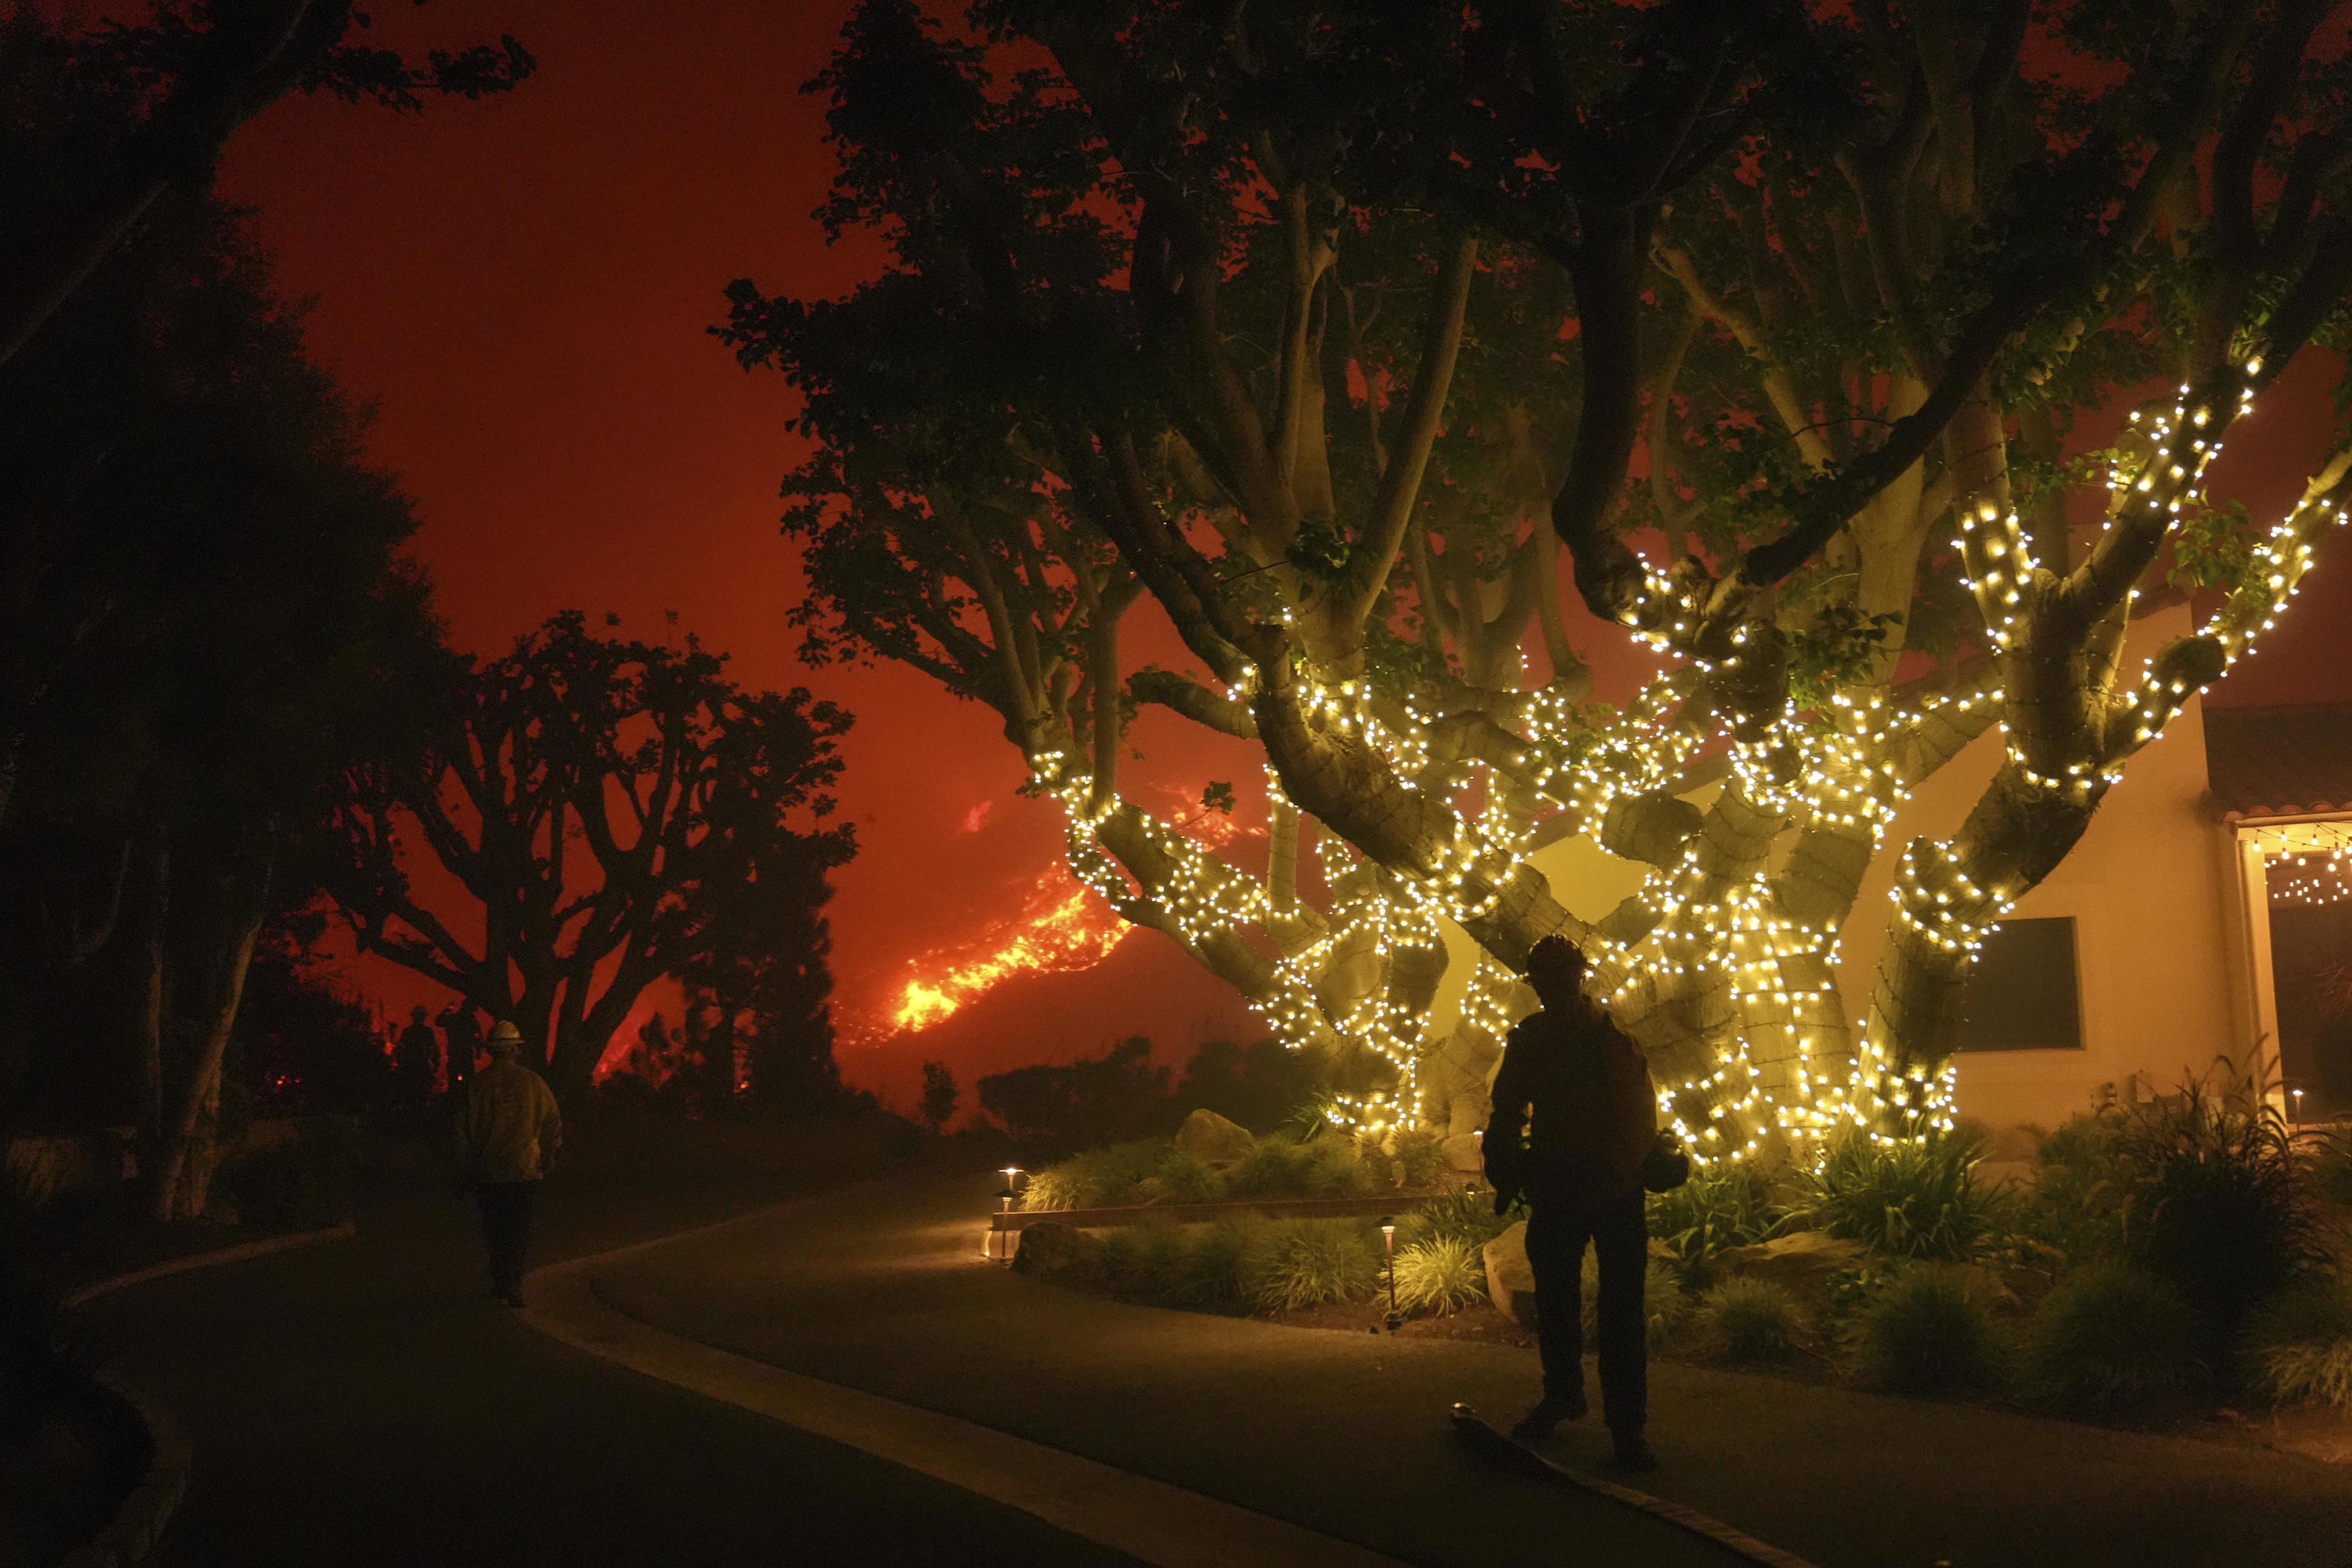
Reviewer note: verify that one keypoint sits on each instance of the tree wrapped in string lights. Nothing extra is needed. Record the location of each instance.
(1330, 330)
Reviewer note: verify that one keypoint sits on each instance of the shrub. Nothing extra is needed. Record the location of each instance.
(2331, 1165)
(1147, 1171)
(2299, 1345)
(309, 1180)
(1214, 1270)
(1750, 1320)
(1664, 1304)
(2080, 1193)
(1294, 1263)
(1911, 1198)
(1441, 1276)
(1181, 1178)
(1925, 1331)
(2216, 1202)
(1465, 1216)
(1145, 1263)
(1723, 1205)
(1416, 1158)
(2112, 1340)
(1318, 1168)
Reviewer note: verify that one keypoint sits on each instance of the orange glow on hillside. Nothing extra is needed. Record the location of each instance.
(1061, 928)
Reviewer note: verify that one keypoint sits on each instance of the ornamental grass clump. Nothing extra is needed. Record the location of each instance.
(1468, 1218)
(1745, 1320)
(1295, 1263)
(2216, 1201)
(1149, 1170)
(1146, 1263)
(1440, 1277)
(1665, 1306)
(2112, 1340)
(2298, 1346)
(1907, 1197)
(1723, 1205)
(1318, 1168)
(1925, 1331)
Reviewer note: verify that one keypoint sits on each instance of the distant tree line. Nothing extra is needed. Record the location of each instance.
(229, 720)
(1120, 1095)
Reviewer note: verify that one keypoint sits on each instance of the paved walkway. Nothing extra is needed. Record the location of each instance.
(358, 1403)
(880, 1289)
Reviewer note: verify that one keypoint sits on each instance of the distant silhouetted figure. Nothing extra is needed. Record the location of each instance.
(411, 1060)
(508, 1133)
(1595, 1116)
(463, 1036)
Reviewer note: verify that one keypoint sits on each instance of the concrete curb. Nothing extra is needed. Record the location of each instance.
(1148, 1520)
(236, 1254)
(1490, 1441)
(139, 1523)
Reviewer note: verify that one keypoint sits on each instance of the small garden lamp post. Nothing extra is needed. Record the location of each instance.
(1012, 1174)
(2298, 1106)
(1000, 1246)
(1388, 1243)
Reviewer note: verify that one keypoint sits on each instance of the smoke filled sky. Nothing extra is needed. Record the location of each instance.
(524, 284)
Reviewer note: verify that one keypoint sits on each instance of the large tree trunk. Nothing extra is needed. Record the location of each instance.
(185, 1180)
(151, 1016)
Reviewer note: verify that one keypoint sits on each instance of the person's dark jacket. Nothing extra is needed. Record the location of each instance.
(1575, 1111)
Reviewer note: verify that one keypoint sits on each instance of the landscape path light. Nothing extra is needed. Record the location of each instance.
(1000, 1247)
(1387, 1241)
(2298, 1106)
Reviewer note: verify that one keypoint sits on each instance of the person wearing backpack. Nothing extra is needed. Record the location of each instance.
(1575, 1118)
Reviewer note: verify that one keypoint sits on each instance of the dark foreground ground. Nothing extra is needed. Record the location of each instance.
(360, 1403)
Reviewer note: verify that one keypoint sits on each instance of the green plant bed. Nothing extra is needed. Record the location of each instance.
(1155, 1171)
(1245, 1264)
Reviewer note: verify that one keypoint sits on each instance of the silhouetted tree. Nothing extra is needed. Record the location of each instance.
(1260, 1086)
(607, 806)
(1095, 1099)
(160, 98)
(205, 568)
(938, 1105)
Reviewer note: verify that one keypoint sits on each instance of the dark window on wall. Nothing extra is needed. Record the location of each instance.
(2022, 996)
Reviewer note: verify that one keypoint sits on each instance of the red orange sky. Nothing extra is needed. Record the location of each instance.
(523, 284)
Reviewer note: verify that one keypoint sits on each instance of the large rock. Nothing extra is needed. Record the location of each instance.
(1466, 1152)
(1799, 1259)
(1510, 1279)
(1053, 1250)
(1206, 1135)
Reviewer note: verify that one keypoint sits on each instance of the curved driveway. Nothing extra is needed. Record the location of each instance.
(880, 1288)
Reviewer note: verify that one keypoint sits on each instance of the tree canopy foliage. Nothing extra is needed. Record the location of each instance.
(1327, 327)
(615, 811)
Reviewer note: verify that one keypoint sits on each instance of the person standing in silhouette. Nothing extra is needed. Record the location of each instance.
(1575, 1114)
(412, 1061)
(462, 1038)
(508, 1132)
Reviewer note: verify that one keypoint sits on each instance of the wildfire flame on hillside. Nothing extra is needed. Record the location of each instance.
(1061, 928)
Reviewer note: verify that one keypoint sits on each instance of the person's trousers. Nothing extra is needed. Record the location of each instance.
(1619, 1231)
(506, 1226)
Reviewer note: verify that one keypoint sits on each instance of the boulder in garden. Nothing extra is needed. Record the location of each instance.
(1208, 1136)
(1510, 1279)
